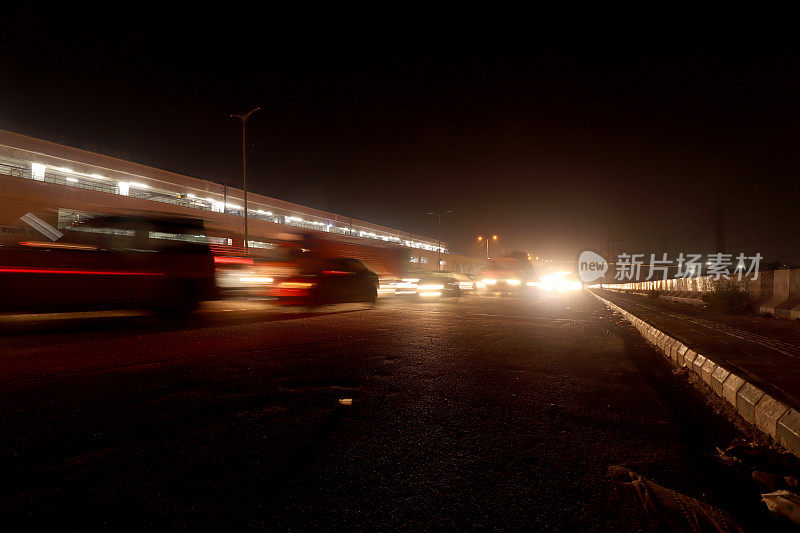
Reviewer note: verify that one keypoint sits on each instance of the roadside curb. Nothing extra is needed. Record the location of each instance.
(771, 416)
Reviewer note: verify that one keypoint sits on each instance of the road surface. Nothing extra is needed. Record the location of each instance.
(475, 413)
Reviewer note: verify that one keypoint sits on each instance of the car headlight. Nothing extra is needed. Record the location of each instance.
(256, 279)
(296, 285)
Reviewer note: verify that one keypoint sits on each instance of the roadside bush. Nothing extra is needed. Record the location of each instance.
(729, 296)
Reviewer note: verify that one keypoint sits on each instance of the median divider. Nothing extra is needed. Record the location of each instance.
(760, 289)
(772, 292)
(780, 292)
(770, 415)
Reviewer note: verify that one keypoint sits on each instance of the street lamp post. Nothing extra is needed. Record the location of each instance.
(243, 118)
(486, 242)
(439, 236)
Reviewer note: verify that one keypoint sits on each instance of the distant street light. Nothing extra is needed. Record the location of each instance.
(439, 236)
(244, 168)
(486, 242)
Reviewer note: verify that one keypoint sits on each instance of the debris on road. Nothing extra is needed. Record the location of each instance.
(669, 508)
(727, 459)
(770, 468)
(773, 471)
(784, 503)
(768, 480)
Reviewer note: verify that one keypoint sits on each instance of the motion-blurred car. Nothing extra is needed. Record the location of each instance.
(250, 276)
(157, 263)
(441, 284)
(327, 281)
(558, 282)
(506, 275)
(390, 286)
(501, 284)
(465, 282)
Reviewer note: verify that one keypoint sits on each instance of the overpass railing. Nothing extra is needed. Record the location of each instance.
(64, 176)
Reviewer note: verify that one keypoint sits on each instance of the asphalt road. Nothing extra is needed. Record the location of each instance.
(480, 413)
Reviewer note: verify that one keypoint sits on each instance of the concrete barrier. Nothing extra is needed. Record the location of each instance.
(780, 292)
(718, 379)
(730, 389)
(747, 399)
(788, 431)
(768, 414)
(707, 372)
(791, 307)
(760, 289)
(775, 292)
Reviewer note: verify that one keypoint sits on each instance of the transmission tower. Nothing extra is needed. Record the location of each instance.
(613, 246)
(719, 223)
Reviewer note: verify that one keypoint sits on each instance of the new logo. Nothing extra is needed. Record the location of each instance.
(591, 266)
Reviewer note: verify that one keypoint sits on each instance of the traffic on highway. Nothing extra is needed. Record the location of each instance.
(167, 265)
(189, 300)
(340, 270)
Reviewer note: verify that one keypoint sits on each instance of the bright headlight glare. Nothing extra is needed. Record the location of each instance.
(513, 281)
(558, 282)
(255, 279)
(430, 293)
(430, 287)
(296, 285)
(488, 281)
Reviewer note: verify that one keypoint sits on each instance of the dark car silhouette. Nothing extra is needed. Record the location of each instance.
(327, 281)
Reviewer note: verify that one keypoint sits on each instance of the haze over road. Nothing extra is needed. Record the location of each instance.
(472, 413)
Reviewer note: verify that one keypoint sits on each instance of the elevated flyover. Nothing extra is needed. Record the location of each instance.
(59, 183)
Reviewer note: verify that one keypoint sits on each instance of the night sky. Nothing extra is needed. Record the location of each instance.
(544, 131)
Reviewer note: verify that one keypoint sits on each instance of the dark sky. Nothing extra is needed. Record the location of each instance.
(545, 130)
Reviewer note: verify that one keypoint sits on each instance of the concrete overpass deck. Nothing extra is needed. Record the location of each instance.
(47, 162)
